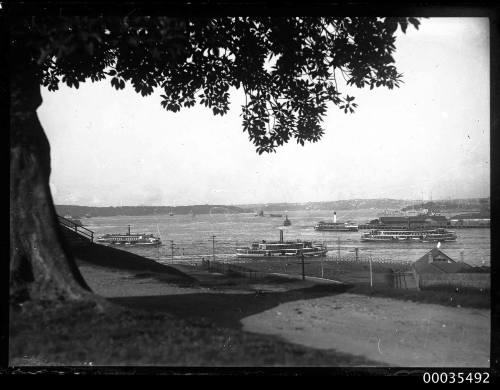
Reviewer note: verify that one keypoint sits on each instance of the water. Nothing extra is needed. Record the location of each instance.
(192, 236)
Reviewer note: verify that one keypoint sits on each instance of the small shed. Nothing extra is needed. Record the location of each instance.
(437, 262)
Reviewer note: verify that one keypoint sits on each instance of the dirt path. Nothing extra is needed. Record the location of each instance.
(398, 333)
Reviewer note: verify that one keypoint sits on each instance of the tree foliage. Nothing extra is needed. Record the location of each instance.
(288, 67)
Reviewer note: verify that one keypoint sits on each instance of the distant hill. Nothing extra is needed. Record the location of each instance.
(110, 211)
(478, 205)
(452, 205)
(348, 204)
(475, 204)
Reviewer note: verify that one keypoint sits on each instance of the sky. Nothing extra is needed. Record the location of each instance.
(427, 139)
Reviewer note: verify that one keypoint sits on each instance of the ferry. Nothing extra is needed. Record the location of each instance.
(129, 239)
(336, 226)
(408, 236)
(281, 249)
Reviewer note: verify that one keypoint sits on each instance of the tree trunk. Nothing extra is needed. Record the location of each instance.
(41, 267)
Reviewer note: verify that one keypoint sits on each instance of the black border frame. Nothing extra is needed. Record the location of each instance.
(309, 8)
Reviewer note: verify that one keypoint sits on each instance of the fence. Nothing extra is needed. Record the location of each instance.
(357, 267)
(456, 280)
(81, 231)
(227, 268)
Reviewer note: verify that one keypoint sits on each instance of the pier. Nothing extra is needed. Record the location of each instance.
(476, 226)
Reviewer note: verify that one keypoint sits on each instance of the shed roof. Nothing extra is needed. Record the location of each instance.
(440, 263)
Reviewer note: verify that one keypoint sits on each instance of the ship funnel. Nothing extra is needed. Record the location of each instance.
(128, 234)
(334, 217)
(281, 235)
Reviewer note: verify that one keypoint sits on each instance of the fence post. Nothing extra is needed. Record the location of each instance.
(417, 279)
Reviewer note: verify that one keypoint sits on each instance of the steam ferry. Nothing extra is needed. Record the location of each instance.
(129, 239)
(281, 249)
(408, 236)
(334, 226)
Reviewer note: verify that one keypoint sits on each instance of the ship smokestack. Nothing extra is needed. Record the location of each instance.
(281, 235)
(334, 217)
(128, 234)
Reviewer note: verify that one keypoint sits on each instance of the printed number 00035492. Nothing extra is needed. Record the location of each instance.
(456, 377)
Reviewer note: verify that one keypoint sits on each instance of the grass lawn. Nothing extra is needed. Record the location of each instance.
(76, 334)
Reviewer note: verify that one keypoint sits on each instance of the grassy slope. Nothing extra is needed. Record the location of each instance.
(76, 334)
(73, 334)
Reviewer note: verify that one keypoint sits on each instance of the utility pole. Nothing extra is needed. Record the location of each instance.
(303, 270)
(172, 249)
(371, 274)
(213, 248)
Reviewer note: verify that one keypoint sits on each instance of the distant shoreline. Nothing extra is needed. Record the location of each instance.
(111, 211)
(456, 206)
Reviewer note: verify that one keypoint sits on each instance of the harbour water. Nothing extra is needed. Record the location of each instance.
(192, 236)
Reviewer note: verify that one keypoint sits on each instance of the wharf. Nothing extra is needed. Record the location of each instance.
(368, 227)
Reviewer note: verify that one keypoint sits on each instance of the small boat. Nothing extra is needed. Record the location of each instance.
(74, 220)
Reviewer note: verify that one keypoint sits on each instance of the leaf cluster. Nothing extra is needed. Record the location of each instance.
(287, 66)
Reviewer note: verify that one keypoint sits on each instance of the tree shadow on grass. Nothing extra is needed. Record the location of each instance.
(225, 309)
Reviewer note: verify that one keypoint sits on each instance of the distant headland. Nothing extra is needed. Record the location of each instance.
(111, 211)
